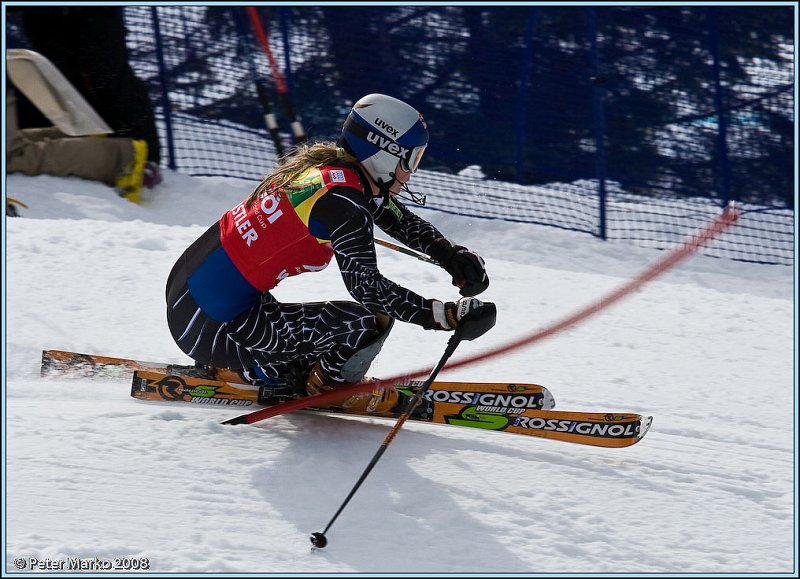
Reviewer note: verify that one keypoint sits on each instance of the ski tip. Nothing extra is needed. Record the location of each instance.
(644, 426)
(548, 402)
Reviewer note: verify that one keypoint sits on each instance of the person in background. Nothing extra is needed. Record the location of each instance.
(119, 162)
(321, 203)
(88, 45)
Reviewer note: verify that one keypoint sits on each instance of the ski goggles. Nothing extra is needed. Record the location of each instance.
(411, 162)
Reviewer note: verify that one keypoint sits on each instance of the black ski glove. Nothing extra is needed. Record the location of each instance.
(467, 269)
(448, 315)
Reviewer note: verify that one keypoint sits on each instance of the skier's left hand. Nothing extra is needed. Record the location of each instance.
(449, 315)
(468, 271)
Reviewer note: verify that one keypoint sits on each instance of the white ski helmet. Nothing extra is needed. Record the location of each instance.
(382, 130)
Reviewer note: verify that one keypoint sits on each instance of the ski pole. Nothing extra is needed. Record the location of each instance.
(474, 324)
(399, 248)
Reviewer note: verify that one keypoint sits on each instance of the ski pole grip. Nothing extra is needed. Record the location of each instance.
(477, 322)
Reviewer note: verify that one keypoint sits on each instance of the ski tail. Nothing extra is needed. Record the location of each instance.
(156, 386)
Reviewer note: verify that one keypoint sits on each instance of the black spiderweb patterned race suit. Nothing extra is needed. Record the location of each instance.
(220, 316)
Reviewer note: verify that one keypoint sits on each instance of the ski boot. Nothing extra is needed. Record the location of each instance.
(386, 401)
(271, 391)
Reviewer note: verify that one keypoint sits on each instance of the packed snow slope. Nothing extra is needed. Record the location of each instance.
(707, 350)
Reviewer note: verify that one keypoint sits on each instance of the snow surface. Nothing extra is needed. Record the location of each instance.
(707, 349)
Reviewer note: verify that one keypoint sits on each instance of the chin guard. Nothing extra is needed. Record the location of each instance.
(413, 196)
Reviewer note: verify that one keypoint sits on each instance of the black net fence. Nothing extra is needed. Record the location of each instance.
(627, 122)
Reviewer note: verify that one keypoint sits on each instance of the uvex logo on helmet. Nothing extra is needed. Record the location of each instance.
(386, 126)
(387, 145)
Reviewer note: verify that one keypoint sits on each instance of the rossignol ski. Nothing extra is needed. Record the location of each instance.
(513, 408)
(236, 392)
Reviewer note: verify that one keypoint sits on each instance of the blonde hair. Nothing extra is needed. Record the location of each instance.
(297, 162)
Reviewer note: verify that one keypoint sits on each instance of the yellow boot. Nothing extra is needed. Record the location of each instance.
(129, 183)
(379, 402)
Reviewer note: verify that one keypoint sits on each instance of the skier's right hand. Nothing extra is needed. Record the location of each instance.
(468, 270)
(449, 314)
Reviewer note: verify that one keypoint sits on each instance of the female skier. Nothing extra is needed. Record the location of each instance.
(318, 204)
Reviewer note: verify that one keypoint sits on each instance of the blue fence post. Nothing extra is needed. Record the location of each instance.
(166, 106)
(598, 121)
(522, 95)
(719, 106)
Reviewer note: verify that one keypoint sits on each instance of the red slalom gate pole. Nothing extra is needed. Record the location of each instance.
(717, 226)
(722, 222)
(280, 82)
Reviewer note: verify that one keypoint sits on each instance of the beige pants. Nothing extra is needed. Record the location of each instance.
(48, 151)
